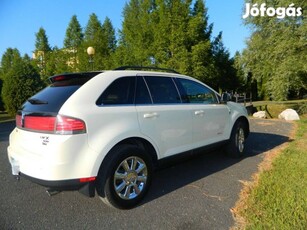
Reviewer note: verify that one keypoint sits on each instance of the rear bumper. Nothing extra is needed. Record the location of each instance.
(86, 188)
(63, 158)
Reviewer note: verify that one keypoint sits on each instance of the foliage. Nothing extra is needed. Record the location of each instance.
(74, 35)
(42, 51)
(1, 101)
(41, 43)
(102, 38)
(21, 82)
(72, 42)
(302, 109)
(8, 60)
(276, 53)
(175, 34)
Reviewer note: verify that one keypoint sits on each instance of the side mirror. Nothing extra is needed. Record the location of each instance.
(225, 97)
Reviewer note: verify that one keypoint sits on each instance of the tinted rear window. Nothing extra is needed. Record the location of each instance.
(51, 99)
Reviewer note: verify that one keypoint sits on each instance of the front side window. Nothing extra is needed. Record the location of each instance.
(197, 93)
(163, 90)
(119, 92)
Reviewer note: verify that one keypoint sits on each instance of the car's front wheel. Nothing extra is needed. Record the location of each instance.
(235, 147)
(127, 177)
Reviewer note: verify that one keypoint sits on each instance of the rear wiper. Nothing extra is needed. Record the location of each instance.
(35, 101)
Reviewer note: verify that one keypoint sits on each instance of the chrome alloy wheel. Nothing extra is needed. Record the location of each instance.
(240, 138)
(130, 178)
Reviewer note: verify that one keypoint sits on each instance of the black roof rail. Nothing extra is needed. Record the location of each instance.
(146, 68)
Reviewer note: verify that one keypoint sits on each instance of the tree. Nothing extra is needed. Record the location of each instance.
(72, 42)
(108, 32)
(22, 81)
(1, 101)
(276, 53)
(167, 34)
(42, 49)
(97, 36)
(225, 74)
(60, 62)
(136, 36)
(9, 58)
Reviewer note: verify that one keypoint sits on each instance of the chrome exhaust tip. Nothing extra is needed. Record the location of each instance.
(52, 192)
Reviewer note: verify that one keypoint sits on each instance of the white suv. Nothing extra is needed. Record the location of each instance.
(107, 131)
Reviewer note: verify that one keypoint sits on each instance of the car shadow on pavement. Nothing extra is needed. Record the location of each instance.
(191, 169)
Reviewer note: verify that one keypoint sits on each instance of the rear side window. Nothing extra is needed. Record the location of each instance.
(163, 90)
(119, 92)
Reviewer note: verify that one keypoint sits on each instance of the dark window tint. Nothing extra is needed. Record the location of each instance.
(163, 90)
(197, 93)
(142, 95)
(119, 92)
(49, 99)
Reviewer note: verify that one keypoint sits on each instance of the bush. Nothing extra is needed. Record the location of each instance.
(1, 102)
(21, 82)
(302, 109)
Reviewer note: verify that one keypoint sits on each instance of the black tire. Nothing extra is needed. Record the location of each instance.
(125, 177)
(235, 147)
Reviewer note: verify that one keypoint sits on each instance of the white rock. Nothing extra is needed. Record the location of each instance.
(289, 115)
(260, 114)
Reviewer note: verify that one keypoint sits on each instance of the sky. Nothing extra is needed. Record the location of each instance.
(20, 20)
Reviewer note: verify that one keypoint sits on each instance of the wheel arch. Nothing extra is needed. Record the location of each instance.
(136, 141)
(245, 122)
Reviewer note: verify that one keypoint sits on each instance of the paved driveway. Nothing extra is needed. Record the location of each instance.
(195, 193)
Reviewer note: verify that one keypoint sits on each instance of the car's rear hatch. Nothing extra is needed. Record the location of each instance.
(40, 112)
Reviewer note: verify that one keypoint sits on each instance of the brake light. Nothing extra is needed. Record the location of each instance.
(39, 123)
(58, 78)
(68, 125)
(51, 124)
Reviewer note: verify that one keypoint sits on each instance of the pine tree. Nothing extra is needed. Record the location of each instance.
(42, 50)
(97, 37)
(108, 32)
(72, 42)
(136, 36)
(8, 60)
(225, 74)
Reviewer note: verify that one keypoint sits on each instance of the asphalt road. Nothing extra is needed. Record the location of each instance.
(196, 193)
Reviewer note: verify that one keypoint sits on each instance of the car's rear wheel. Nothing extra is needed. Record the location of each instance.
(126, 178)
(235, 147)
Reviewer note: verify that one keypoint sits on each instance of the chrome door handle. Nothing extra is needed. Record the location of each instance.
(199, 112)
(150, 115)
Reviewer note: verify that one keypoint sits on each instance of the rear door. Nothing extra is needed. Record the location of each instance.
(162, 116)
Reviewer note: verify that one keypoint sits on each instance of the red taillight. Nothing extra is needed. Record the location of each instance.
(51, 124)
(39, 123)
(68, 125)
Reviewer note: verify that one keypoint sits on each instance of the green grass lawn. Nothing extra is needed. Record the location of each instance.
(279, 200)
